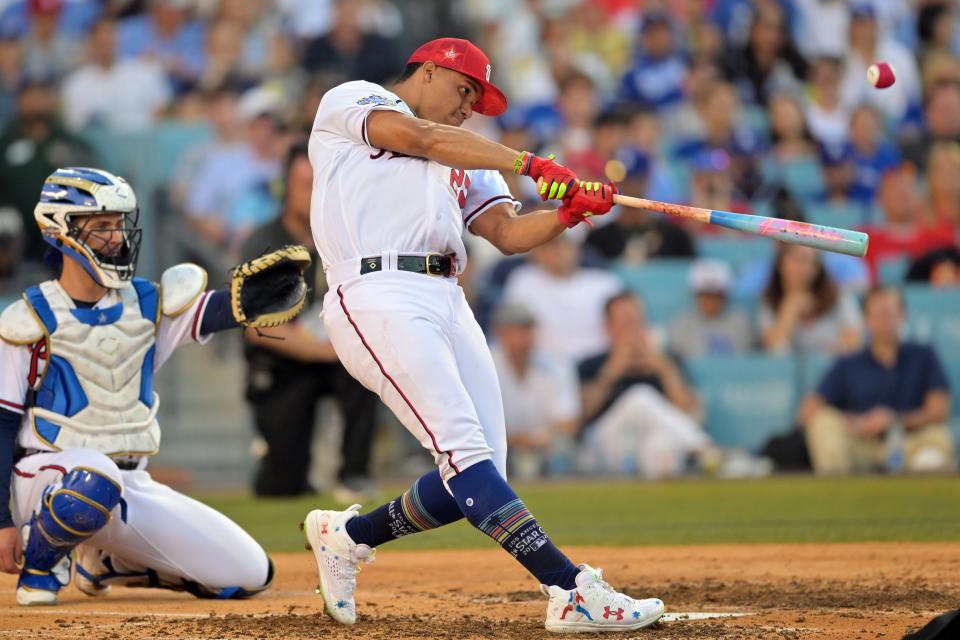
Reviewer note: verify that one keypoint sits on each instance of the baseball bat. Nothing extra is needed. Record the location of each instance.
(852, 243)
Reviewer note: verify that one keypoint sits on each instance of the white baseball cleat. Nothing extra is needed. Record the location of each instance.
(338, 560)
(594, 607)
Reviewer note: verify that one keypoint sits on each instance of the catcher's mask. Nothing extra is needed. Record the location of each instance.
(90, 216)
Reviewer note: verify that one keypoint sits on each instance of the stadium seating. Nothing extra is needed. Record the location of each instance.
(893, 271)
(933, 316)
(661, 284)
(747, 399)
(736, 249)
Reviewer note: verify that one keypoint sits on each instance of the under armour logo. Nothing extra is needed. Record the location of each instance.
(607, 613)
(323, 528)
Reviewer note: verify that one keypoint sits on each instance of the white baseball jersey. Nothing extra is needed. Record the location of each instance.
(367, 201)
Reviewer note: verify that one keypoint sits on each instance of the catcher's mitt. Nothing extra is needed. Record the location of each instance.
(270, 290)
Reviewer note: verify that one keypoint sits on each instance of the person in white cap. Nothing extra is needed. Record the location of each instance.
(712, 327)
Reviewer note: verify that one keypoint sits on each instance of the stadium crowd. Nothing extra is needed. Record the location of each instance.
(753, 106)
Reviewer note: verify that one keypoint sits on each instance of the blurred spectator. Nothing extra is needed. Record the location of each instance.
(348, 50)
(935, 28)
(768, 63)
(578, 105)
(939, 268)
(231, 169)
(256, 28)
(828, 116)
(74, 17)
(789, 136)
(15, 275)
(726, 146)
(873, 155)
(596, 41)
(635, 236)
(941, 120)
(686, 122)
(287, 376)
(803, 311)
(906, 230)
(541, 399)
(636, 402)
(655, 78)
(48, 50)
(867, 45)
(937, 34)
(712, 327)
(856, 166)
(11, 72)
(565, 299)
(223, 48)
(839, 173)
(31, 148)
(306, 19)
(943, 185)
(609, 131)
(168, 35)
(823, 26)
(884, 407)
(713, 185)
(122, 95)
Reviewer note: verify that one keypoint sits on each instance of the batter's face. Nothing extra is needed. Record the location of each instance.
(447, 96)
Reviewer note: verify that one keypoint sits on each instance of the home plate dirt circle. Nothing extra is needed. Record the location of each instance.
(839, 591)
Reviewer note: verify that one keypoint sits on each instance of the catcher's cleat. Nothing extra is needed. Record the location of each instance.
(595, 607)
(36, 587)
(338, 560)
(90, 569)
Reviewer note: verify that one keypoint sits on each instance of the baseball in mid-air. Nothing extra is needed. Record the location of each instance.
(881, 75)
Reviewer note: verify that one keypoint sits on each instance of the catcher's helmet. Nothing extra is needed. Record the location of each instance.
(69, 200)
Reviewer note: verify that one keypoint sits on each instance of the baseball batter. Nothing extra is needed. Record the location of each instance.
(396, 181)
(78, 413)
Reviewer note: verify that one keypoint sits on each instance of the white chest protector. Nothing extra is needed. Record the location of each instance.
(97, 388)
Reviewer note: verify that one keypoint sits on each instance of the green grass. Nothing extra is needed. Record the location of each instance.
(787, 509)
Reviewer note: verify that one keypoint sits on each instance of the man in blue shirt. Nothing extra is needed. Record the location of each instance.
(884, 407)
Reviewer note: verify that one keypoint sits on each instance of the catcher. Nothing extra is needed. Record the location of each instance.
(78, 413)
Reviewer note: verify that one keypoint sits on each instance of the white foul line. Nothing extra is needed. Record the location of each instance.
(700, 615)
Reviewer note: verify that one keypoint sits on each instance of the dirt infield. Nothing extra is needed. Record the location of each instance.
(842, 591)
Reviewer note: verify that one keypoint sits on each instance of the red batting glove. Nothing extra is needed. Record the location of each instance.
(554, 181)
(590, 199)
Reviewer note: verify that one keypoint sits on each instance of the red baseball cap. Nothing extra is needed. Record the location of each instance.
(467, 58)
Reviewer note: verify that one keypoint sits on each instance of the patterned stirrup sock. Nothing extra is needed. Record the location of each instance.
(492, 507)
(425, 505)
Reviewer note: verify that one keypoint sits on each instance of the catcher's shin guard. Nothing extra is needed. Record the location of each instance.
(67, 516)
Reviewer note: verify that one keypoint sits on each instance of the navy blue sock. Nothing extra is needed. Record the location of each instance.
(425, 505)
(492, 507)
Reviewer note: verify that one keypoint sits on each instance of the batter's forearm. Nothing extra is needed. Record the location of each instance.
(450, 146)
(523, 233)
(463, 149)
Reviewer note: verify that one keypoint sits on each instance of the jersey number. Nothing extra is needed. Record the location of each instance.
(460, 183)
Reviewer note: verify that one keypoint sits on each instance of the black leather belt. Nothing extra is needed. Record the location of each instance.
(433, 264)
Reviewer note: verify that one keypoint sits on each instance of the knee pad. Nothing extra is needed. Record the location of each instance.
(79, 508)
